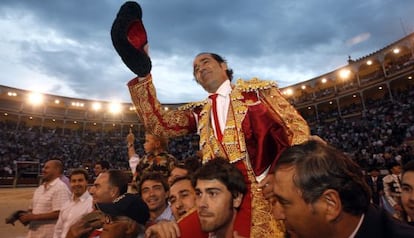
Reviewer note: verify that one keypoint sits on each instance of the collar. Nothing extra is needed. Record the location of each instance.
(358, 226)
(165, 215)
(50, 184)
(224, 89)
(83, 197)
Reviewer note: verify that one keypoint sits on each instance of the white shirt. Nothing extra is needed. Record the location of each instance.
(47, 199)
(223, 103)
(392, 183)
(71, 212)
(133, 163)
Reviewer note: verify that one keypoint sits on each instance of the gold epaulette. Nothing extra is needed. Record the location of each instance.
(192, 105)
(254, 84)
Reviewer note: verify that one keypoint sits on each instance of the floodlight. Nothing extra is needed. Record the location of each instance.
(35, 98)
(114, 107)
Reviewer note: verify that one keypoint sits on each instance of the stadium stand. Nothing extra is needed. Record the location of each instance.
(364, 108)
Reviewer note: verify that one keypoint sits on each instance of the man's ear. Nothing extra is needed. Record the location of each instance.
(224, 65)
(332, 204)
(237, 200)
(133, 228)
(158, 142)
(114, 191)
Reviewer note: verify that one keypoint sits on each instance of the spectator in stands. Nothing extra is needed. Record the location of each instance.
(407, 192)
(156, 157)
(79, 204)
(374, 181)
(154, 190)
(48, 200)
(101, 166)
(392, 188)
(320, 192)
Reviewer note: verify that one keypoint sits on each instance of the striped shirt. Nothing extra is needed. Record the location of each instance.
(47, 199)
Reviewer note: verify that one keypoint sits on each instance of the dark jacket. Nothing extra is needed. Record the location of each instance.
(378, 223)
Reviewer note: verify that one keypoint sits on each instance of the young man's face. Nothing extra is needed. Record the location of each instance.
(216, 206)
(182, 198)
(209, 73)
(154, 195)
(301, 219)
(407, 193)
(375, 173)
(97, 169)
(396, 169)
(78, 184)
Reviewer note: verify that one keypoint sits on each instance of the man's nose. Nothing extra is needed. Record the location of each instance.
(178, 204)
(201, 201)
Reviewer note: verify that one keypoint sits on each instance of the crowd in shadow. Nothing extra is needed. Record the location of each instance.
(380, 137)
(375, 140)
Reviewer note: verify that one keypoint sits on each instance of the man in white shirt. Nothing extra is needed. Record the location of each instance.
(80, 203)
(48, 200)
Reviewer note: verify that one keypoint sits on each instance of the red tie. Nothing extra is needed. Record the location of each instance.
(213, 98)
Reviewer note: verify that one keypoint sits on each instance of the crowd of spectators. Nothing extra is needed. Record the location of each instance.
(75, 149)
(374, 140)
(380, 136)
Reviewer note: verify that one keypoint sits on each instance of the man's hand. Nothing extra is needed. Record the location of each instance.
(78, 229)
(267, 186)
(15, 216)
(130, 137)
(26, 218)
(163, 229)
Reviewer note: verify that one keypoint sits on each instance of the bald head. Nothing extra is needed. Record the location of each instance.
(52, 170)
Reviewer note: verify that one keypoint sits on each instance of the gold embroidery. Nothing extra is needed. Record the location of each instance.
(150, 112)
(297, 128)
(192, 105)
(233, 145)
(263, 222)
(254, 84)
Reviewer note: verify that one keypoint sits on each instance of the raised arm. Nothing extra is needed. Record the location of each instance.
(129, 38)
